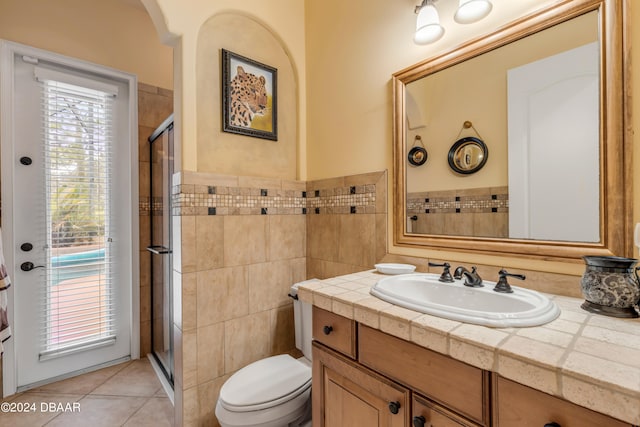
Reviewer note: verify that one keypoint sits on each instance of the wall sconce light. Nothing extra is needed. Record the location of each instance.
(470, 11)
(428, 28)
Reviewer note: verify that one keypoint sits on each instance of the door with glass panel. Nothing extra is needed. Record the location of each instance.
(161, 171)
(69, 209)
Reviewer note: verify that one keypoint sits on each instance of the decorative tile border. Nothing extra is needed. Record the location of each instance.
(485, 201)
(146, 208)
(343, 200)
(225, 199)
(143, 206)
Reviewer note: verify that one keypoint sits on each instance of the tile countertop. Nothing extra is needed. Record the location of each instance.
(588, 359)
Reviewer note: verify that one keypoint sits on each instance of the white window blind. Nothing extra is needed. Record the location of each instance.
(77, 293)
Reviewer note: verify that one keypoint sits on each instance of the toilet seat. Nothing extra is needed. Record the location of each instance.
(266, 383)
(271, 391)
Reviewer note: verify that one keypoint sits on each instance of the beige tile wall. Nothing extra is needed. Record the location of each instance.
(154, 106)
(233, 271)
(339, 241)
(469, 212)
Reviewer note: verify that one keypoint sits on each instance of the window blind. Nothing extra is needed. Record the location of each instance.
(77, 297)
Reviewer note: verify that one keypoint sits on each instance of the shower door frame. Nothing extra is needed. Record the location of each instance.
(164, 130)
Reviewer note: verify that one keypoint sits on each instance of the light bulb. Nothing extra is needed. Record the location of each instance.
(470, 11)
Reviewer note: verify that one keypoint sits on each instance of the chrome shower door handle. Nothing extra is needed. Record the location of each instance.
(159, 250)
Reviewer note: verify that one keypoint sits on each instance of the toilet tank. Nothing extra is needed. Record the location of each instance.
(302, 317)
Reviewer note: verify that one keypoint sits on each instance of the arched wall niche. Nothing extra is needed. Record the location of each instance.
(227, 153)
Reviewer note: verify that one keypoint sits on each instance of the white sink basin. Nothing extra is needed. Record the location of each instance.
(481, 306)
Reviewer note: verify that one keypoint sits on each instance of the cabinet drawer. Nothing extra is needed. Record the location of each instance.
(454, 384)
(517, 405)
(427, 414)
(334, 331)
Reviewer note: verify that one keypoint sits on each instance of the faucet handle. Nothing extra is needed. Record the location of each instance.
(446, 274)
(502, 285)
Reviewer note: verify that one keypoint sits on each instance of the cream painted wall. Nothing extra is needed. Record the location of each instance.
(444, 100)
(353, 49)
(115, 33)
(175, 21)
(227, 153)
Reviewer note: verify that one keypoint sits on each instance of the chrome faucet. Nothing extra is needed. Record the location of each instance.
(472, 279)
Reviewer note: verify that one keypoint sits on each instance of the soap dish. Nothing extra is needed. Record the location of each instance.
(390, 268)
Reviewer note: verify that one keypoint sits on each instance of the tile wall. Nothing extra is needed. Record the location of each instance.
(469, 212)
(245, 241)
(346, 224)
(243, 246)
(154, 106)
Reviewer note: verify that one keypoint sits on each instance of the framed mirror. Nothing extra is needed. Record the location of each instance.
(557, 185)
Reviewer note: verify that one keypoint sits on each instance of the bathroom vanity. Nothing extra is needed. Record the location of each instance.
(372, 366)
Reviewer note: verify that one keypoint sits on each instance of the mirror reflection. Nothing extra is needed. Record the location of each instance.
(536, 103)
(468, 155)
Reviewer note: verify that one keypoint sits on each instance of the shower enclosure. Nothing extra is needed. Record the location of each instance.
(161, 171)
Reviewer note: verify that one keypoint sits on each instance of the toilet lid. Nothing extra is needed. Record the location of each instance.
(265, 383)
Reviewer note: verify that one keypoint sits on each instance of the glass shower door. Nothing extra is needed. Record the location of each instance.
(161, 170)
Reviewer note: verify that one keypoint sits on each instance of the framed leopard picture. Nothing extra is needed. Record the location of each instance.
(249, 97)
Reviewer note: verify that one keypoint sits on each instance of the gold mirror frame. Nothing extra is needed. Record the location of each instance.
(615, 137)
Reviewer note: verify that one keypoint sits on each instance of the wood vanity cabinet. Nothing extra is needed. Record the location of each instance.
(366, 378)
(516, 405)
(347, 395)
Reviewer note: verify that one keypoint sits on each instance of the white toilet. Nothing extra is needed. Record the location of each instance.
(276, 391)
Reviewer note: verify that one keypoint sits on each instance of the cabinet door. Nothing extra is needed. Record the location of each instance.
(519, 406)
(429, 414)
(348, 395)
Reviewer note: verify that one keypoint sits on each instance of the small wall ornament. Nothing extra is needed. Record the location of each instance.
(417, 155)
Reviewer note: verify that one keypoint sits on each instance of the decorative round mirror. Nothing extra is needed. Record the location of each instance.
(417, 156)
(468, 155)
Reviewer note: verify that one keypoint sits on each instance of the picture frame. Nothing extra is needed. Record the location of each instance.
(249, 97)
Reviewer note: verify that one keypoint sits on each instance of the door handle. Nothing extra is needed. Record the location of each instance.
(28, 266)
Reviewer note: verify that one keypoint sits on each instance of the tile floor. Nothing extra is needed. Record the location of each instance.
(128, 394)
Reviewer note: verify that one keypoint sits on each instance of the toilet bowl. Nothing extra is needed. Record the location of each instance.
(275, 391)
(272, 392)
